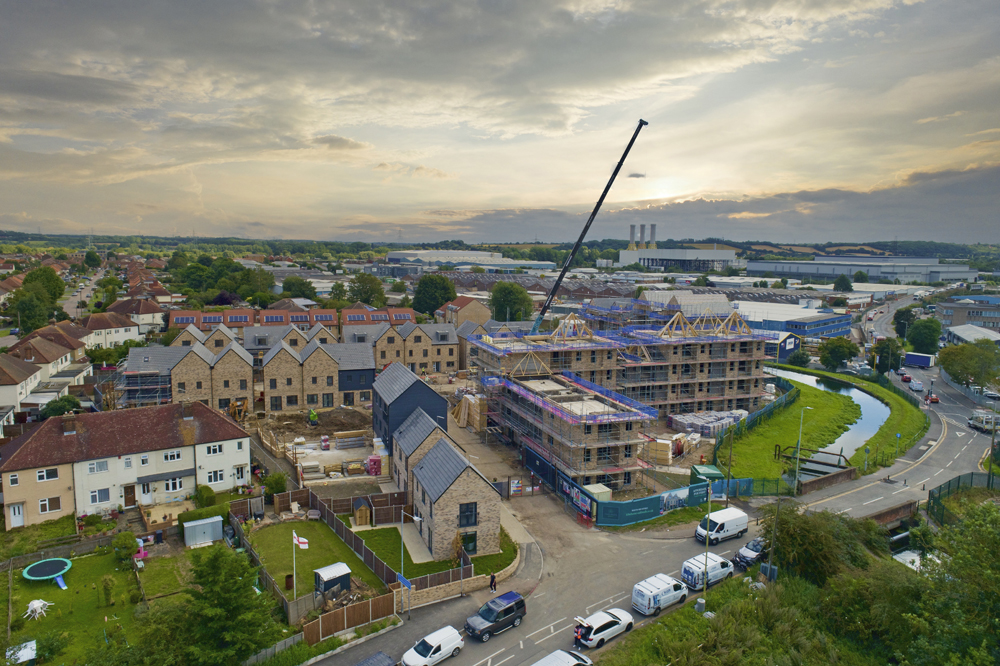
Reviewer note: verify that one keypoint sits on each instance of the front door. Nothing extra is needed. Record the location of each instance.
(129, 496)
(17, 515)
(349, 399)
(147, 494)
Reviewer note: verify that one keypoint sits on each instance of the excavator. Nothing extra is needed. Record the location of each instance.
(238, 409)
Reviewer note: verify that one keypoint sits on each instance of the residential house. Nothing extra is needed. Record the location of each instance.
(93, 463)
(57, 334)
(258, 340)
(242, 318)
(147, 314)
(215, 340)
(294, 305)
(55, 361)
(453, 499)
(413, 439)
(110, 329)
(461, 310)
(430, 347)
(387, 344)
(356, 365)
(360, 314)
(463, 331)
(17, 379)
(157, 375)
(398, 392)
(320, 375)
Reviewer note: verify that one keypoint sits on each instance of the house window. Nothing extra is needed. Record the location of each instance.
(197, 385)
(314, 380)
(322, 341)
(382, 355)
(329, 380)
(239, 446)
(243, 385)
(224, 403)
(213, 449)
(144, 488)
(288, 381)
(292, 401)
(312, 399)
(425, 353)
(328, 400)
(185, 343)
(587, 429)
(49, 505)
(170, 456)
(469, 542)
(467, 516)
(275, 403)
(180, 387)
(128, 462)
(215, 476)
(143, 461)
(218, 343)
(451, 351)
(423, 496)
(225, 383)
(12, 480)
(418, 338)
(294, 342)
(273, 384)
(366, 395)
(391, 340)
(100, 496)
(49, 474)
(173, 485)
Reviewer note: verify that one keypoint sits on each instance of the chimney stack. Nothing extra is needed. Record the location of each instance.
(631, 234)
(188, 410)
(69, 424)
(652, 236)
(642, 235)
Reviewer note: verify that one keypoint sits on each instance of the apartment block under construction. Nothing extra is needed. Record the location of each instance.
(585, 431)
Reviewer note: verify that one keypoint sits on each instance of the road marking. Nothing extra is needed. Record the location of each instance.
(948, 465)
(939, 471)
(900, 490)
(646, 553)
(545, 627)
(507, 659)
(540, 594)
(920, 483)
(963, 448)
(671, 573)
(545, 638)
(489, 657)
(845, 510)
(870, 501)
(599, 602)
(522, 644)
(957, 455)
(725, 552)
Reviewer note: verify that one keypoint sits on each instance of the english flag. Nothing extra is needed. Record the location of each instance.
(299, 541)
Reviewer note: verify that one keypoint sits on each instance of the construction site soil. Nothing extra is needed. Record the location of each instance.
(331, 421)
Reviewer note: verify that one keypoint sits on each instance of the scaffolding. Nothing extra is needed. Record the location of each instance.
(140, 388)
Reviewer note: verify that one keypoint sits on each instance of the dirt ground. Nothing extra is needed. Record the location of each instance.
(363, 485)
(331, 421)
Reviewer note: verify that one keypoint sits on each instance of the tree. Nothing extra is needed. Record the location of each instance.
(510, 301)
(902, 319)
(703, 282)
(47, 277)
(91, 259)
(843, 283)
(366, 288)
(405, 301)
(275, 483)
(125, 546)
(338, 291)
(835, 351)
(976, 363)
(398, 287)
(431, 292)
(60, 406)
(30, 313)
(799, 357)
(861, 276)
(296, 287)
(177, 261)
(477, 269)
(839, 302)
(887, 355)
(924, 335)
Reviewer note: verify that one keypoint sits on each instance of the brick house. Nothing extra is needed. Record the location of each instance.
(258, 340)
(430, 347)
(397, 393)
(156, 375)
(387, 344)
(454, 499)
(283, 379)
(214, 340)
(318, 376)
(463, 332)
(413, 440)
(461, 310)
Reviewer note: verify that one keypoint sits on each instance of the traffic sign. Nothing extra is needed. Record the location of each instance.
(404, 582)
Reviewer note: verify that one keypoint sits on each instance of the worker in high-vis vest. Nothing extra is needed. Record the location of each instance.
(313, 418)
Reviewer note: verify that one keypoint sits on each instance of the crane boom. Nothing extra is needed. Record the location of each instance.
(583, 234)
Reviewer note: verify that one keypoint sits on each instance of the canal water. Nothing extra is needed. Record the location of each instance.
(873, 415)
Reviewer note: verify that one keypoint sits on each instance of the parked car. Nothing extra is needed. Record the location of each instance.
(992, 395)
(657, 592)
(906, 379)
(434, 648)
(603, 626)
(496, 615)
(564, 658)
(749, 554)
(932, 397)
(721, 525)
(900, 371)
(693, 571)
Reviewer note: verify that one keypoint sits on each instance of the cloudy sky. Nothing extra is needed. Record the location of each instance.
(501, 120)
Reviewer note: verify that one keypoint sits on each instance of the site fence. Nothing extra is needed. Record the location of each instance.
(790, 395)
(936, 509)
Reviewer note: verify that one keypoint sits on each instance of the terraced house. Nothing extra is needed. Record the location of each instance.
(430, 347)
(158, 375)
(317, 376)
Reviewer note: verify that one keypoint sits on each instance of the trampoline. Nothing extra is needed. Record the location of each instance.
(50, 569)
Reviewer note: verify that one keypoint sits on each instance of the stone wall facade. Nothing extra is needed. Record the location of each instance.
(441, 521)
(320, 381)
(403, 472)
(283, 379)
(232, 378)
(423, 355)
(185, 339)
(191, 380)
(389, 348)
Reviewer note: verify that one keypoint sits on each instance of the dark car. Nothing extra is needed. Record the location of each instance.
(905, 378)
(749, 554)
(496, 615)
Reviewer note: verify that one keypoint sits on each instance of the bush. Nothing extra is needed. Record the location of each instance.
(92, 520)
(125, 546)
(275, 483)
(49, 646)
(799, 357)
(204, 497)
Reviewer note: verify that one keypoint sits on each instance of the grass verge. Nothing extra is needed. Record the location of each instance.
(688, 514)
(274, 545)
(909, 421)
(385, 544)
(958, 502)
(24, 540)
(753, 454)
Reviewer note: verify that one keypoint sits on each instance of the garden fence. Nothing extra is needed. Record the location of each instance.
(268, 653)
(936, 509)
(791, 394)
(68, 551)
(364, 612)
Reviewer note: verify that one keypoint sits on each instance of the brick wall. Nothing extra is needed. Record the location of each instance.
(320, 366)
(295, 339)
(231, 368)
(191, 370)
(443, 524)
(282, 368)
(185, 336)
(392, 345)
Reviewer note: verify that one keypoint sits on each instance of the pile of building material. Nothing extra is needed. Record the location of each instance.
(707, 424)
(311, 471)
(470, 412)
(299, 447)
(352, 439)
(353, 467)
(663, 451)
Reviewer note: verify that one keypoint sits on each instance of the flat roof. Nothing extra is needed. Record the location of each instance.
(578, 401)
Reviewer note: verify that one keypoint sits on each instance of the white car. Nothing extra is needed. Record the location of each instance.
(603, 626)
(436, 647)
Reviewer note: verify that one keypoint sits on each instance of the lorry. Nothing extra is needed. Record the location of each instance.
(919, 360)
(982, 421)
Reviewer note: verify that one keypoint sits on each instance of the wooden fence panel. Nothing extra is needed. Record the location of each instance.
(340, 506)
(332, 622)
(397, 499)
(358, 614)
(384, 515)
(369, 557)
(311, 632)
(240, 507)
(383, 606)
(379, 501)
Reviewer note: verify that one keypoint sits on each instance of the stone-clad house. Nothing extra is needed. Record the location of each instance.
(452, 498)
(413, 440)
(397, 393)
(213, 340)
(464, 330)
(317, 376)
(156, 375)
(430, 347)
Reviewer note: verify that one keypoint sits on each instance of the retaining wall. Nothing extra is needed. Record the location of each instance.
(827, 480)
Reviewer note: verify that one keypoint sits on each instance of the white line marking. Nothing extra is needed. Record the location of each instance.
(550, 635)
(900, 490)
(920, 483)
(522, 644)
(507, 659)
(671, 573)
(540, 594)
(870, 501)
(489, 657)
(646, 553)
(545, 627)
(599, 602)
(939, 471)
(845, 510)
(948, 465)
(957, 455)
(964, 448)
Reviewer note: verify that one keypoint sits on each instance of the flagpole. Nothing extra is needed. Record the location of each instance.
(295, 577)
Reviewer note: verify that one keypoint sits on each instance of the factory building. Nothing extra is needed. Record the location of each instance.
(904, 269)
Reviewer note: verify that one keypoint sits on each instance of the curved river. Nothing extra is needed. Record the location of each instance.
(873, 415)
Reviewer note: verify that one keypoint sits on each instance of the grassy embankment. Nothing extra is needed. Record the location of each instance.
(753, 454)
(688, 514)
(909, 421)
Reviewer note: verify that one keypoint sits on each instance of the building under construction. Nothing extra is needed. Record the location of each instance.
(585, 431)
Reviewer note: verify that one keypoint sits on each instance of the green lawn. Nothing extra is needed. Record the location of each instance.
(909, 421)
(163, 575)
(831, 415)
(274, 545)
(688, 514)
(79, 611)
(24, 540)
(384, 543)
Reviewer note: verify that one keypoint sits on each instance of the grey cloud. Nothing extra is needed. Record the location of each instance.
(334, 142)
(637, 175)
(58, 87)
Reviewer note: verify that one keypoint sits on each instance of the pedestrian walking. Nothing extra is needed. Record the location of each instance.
(493, 582)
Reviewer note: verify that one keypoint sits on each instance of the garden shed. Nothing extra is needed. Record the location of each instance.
(202, 532)
(335, 577)
(362, 511)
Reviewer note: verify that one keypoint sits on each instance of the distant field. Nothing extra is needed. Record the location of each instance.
(802, 248)
(853, 248)
(712, 246)
(767, 248)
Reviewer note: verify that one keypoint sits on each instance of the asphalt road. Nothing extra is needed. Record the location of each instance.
(84, 295)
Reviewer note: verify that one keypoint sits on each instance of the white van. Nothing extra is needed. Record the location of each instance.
(440, 645)
(724, 524)
(693, 571)
(656, 593)
(564, 658)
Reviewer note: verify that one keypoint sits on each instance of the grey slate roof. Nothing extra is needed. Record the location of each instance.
(276, 349)
(234, 347)
(441, 467)
(466, 329)
(352, 355)
(155, 359)
(316, 330)
(415, 429)
(372, 331)
(407, 328)
(432, 331)
(312, 348)
(225, 330)
(193, 330)
(393, 382)
(272, 333)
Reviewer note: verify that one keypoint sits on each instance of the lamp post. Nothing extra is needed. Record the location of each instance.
(993, 439)
(402, 523)
(798, 449)
(708, 526)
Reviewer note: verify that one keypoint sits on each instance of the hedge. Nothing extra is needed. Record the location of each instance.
(200, 514)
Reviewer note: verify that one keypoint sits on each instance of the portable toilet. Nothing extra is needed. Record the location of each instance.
(335, 577)
(710, 472)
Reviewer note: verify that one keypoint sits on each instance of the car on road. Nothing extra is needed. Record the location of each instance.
(657, 592)
(906, 378)
(900, 371)
(496, 616)
(750, 553)
(602, 626)
(720, 525)
(564, 658)
(434, 648)
(916, 387)
(992, 395)
(932, 397)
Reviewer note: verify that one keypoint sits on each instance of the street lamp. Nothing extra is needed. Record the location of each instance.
(993, 439)
(708, 527)
(798, 449)
(402, 563)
